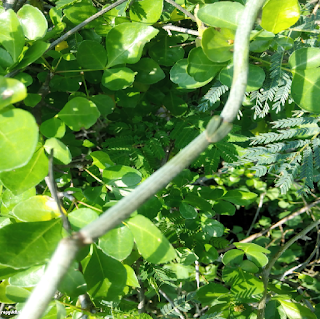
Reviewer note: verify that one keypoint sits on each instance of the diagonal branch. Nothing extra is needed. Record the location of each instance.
(68, 247)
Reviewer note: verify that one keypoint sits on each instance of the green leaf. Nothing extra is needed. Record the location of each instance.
(249, 266)
(80, 11)
(262, 41)
(101, 159)
(117, 78)
(224, 14)
(32, 99)
(148, 71)
(17, 294)
(239, 197)
(296, 311)
(11, 33)
(92, 55)
(53, 127)
(18, 138)
(125, 42)
(73, 283)
(30, 175)
(132, 279)
(117, 243)
(278, 16)
(106, 277)
(200, 67)
(175, 104)
(121, 176)
(151, 243)
(33, 22)
(81, 217)
(37, 208)
(187, 211)
(28, 278)
(5, 58)
(224, 208)
(210, 293)
(179, 75)
(151, 208)
(28, 244)
(104, 103)
(146, 11)
(305, 58)
(254, 253)
(78, 113)
(9, 200)
(165, 54)
(217, 44)
(213, 228)
(233, 257)
(11, 91)
(305, 89)
(61, 152)
(33, 53)
(256, 77)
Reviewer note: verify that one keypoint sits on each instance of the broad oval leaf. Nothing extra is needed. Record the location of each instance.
(28, 244)
(165, 54)
(18, 138)
(132, 279)
(213, 228)
(239, 197)
(23, 178)
(200, 67)
(296, 311)
(33, 53)
(9, 200)
(105, 276)
(37, 208)
(179, 75)
(150, 208)
(117, 243)
(80, 11)
(53, 127)
(33, 22)
(305, 58)
(104, 103)
(121, 176)
(305, 89)
(146, 11)
(81, 217)
(125, 42)
(61, 152)
(209, 293)
(11, 91)
(151, 243)
(78, 113)
(117, 78)
(249, 266)
(187, 211)
(92, 55)
(218, 44)
(233, 257)
(224, 208)
(27, 278)
(279, 15)
(224, 14)
(11, 33)
(256, 77)
(148, 71)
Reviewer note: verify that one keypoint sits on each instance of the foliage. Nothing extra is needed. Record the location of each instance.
(109, 105)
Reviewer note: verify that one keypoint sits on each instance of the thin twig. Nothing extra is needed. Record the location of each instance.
(84, 23)
(52, 187)
(280, 222)
(257, 213)
(179, 29)
(141, 296)
(186, 12)
(267, 270)
(197, 273)
(171, 303)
